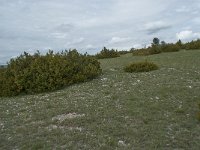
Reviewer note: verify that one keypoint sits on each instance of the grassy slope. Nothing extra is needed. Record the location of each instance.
(152, 110)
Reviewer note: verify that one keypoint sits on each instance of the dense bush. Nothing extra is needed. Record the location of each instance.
(123, 52)
(141, 52)
(2, 70)
(192, 45)
(140, 67)
(38, 73)
(147, 51)
(170, 48)
(106, 53)
(167, 47)
(156, 49)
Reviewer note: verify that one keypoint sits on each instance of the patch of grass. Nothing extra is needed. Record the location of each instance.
(122, 110)
(180, 111)
(198, 115)
(141, 67)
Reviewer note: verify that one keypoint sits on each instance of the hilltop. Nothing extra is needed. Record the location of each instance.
(153, 110)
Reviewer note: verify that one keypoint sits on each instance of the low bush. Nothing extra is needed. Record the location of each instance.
(39, 73)
(170, 48)
(147, 51)
(141, 67)
(141, 52)
(123, 52)
(192, 45)
(156, 49)
(106, 53)
(2, 70)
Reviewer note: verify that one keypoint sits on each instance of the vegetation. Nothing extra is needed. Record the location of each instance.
(106, 53)
(141, 67)
(198, 115)
(123, 52)
(154, 49)
(192, 45)
(156, 41)
(157, 48)
(141, 52)
(148, 110)
(170, 48)
(37, 73)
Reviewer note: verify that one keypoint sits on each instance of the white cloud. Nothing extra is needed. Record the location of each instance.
(188, 9)
(182, 9)
(59, 35)
(196, 20)
(187, 35)
(196, 12)
(137, 46)
(89, 46)
(115, 40)
(74, 42)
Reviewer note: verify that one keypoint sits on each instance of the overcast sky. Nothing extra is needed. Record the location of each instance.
(88, 25)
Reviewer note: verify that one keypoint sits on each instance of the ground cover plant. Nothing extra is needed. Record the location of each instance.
(117, 110)
(144, 66)
(39, 73)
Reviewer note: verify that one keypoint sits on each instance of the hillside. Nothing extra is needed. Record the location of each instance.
(154, 110)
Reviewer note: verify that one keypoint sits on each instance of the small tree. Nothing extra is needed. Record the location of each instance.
(156, 41)
(106, 53)
(179, 43)
(163, 43)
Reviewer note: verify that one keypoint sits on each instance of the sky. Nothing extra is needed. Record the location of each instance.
(89, 25)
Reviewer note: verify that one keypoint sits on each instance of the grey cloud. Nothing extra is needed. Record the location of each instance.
(183, 9)
(64, 27)
(115, 40)
(154, 27)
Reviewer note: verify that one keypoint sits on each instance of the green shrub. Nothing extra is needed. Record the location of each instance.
(155, 49)
(170, 48)
(192, 45)
(123, 52)
(2, 70)
(141, 52)
(39, 73)
(140, 67)
(106, 53)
